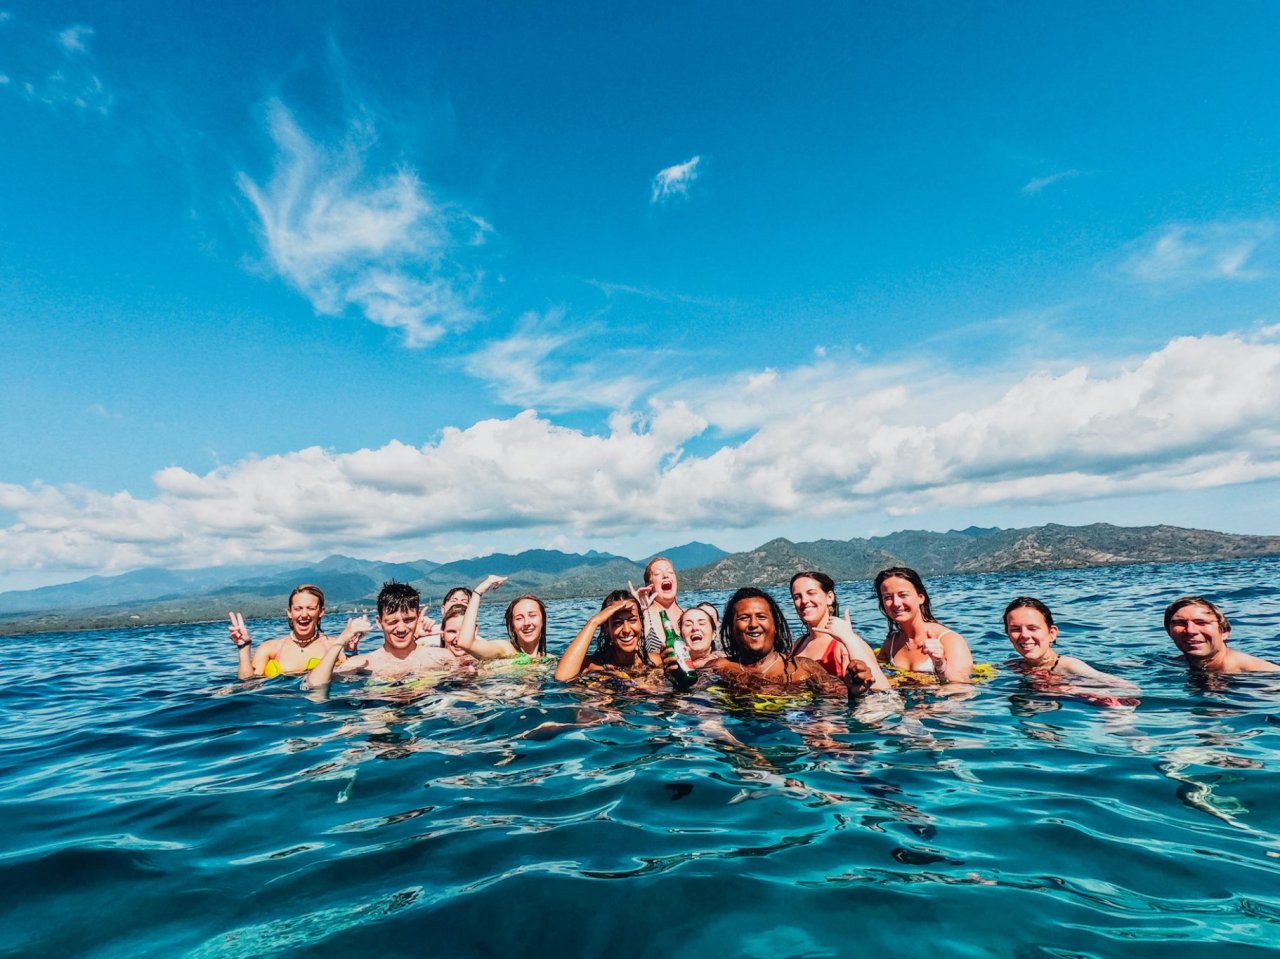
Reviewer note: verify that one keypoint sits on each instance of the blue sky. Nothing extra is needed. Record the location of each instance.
(408, 280)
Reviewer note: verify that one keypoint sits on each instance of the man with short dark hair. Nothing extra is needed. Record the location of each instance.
(1200, 630)
(399, 609)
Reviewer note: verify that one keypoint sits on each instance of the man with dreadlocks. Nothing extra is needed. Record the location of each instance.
(758, 651)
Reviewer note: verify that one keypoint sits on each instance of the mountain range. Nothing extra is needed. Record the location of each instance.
(155, 596)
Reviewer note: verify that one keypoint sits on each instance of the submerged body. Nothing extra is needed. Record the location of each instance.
(1201, 632)
(917, 642)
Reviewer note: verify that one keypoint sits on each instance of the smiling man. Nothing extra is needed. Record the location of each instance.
(758, 650)
(1200, 630)
(399, 607)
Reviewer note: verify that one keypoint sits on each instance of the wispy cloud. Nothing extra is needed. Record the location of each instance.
(1182, 253)
(674, 181)
(75, 39)
(348, 238)
(1188, 416)
(97, 409)
(57, 70)
(538, 366)
(1036, 184)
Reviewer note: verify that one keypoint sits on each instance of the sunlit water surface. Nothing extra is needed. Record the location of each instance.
(155, 806)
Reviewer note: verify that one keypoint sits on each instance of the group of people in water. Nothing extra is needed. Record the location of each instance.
(747, 644)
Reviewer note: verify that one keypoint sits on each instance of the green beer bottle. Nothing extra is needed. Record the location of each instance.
(684, 675)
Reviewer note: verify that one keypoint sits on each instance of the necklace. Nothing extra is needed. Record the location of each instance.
(1053, 665)
(301, 645)
(767, 662)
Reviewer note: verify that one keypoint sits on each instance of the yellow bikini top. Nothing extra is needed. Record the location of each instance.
(272, 669)
(897, 676)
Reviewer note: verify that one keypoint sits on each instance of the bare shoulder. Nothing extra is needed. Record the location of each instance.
(811, 669)
(430, 657)
(1239, 662)
(1077, 667)
(726, 666)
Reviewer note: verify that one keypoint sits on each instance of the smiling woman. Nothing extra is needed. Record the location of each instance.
(916, 641)
(298, 652)
(658, 599)
(829, 640)
(620, 644)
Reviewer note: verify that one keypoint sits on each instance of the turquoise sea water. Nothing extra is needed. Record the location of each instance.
(155, 806)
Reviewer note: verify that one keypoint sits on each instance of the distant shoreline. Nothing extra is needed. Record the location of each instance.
(351, 584)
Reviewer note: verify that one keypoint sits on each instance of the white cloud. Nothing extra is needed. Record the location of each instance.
(1036, 184)
(534, 366)
(1181, 253)
(97, 409)
(674, 180)
(1199, 413)
(75, 39)
(348, 239)
(58, 70)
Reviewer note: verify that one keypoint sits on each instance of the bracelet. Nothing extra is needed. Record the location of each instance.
(244, 644)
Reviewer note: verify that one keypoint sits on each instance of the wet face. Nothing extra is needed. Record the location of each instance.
(526, 623)
(455, 598)
(662, 577)
(626, 628)
(1196, 632)
(753, 626)
(697, 631)
(304, 614)
(813, 603)
(899, 600)
(400, 629)
(449, 636)
(1030, 635)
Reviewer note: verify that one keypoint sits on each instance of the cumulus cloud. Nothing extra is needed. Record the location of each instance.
(349, 239)
(1036, 184)
(1198, 413)
(535, 366)
(675, 180)
(1182, 253)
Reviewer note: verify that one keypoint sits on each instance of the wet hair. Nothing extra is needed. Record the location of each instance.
(509, 618)
(822, 579)
(712, 614)
(912, 577)
(1028, 602)
(398, 598)
(457, 589)
(315, 591)
(648, 569)
(728, 634)
(1182, 602)
(457, 609)
(604, 638)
